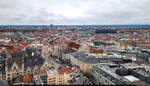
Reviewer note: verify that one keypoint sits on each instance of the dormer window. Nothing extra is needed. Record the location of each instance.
(14, 68)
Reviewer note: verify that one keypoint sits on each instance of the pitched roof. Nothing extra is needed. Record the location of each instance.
(67, 70)
(27, 78)
(64, 71)
(73, 45)
(29, 59)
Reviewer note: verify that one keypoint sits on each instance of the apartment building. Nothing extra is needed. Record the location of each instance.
(56, 77)
(85, 62)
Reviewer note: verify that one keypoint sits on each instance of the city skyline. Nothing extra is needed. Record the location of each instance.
(69, 12)
(74, 42)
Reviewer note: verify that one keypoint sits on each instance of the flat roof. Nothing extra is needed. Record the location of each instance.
(84, 57)
(131, 78)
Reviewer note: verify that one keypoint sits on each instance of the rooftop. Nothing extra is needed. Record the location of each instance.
(113, 73)
(52, 72)
(131, 78)
(143, 72)
(27, 78)
(67, 70)
(109, 75)
(84, 57)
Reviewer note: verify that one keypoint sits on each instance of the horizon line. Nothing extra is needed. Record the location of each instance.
(67, 24)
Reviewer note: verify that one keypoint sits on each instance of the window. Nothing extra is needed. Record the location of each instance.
(51, 78)
(17, 73)
(3, 76)
(52, 82)
(35, 70)
(99, 76)
(8, 74)
(8, 78)
(106, 81)
(44, 81)
(14, 68)
(60, 80)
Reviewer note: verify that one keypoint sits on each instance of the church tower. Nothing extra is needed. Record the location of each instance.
(45, 49)
(47, 40)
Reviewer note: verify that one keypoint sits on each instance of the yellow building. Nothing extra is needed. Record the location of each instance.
(85, 62)
(85, 66)
(56, 77)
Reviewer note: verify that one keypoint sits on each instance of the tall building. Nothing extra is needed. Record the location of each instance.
(45, 49)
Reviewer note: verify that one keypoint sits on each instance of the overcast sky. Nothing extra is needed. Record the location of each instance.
(74, 12)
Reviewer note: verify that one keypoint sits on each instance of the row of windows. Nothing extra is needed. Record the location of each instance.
(52, 81)
(2, 76)
(52, 78)
(9, 74)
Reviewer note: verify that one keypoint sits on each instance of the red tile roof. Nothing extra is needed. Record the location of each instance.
(143, 42)
(73, 45)
(124, 44)
(67, 70)
(12, 49)
(51, 46)
(2, 42)
(27, 78)
(59, 43)
(92, 50)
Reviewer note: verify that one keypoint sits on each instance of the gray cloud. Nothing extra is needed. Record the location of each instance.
(74, 12)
